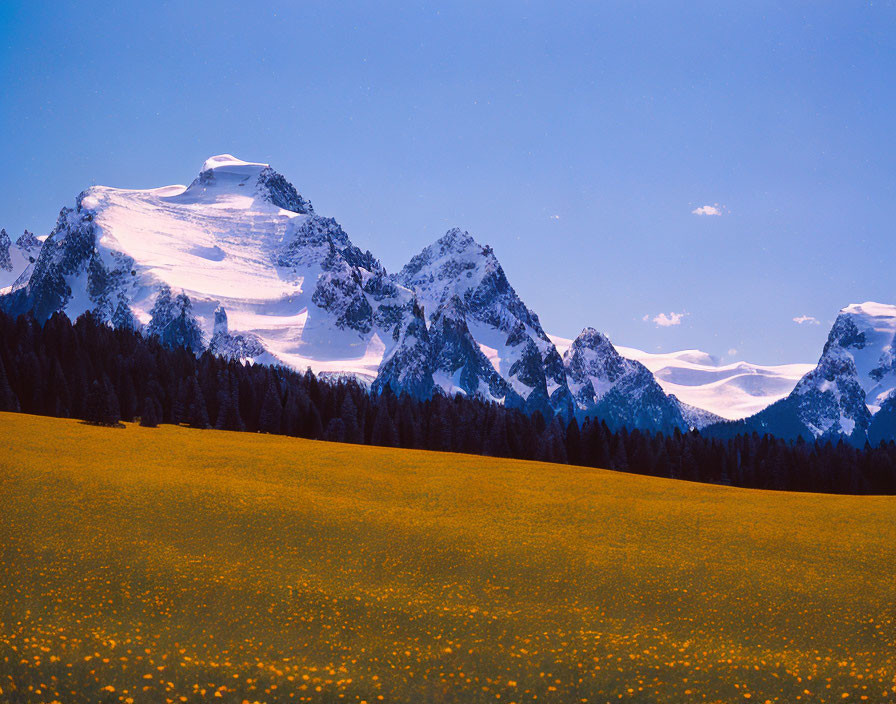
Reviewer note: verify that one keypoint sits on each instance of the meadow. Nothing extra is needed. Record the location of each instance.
(179, 565)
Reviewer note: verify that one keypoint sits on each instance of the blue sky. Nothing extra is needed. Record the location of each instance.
(575, 138)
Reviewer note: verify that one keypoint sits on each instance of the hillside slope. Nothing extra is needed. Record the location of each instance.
(189, 565)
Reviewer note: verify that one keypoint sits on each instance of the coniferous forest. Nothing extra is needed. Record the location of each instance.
(102, 375)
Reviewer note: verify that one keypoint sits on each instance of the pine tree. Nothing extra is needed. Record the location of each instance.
(439, 435)
(127, 397)
(292, 414)
(162, 312)
(229, 417)
(197, 412)
(349, 415)
(558, 437)
(619, 462)
(408, 425)
(179, 403)
(123, 318)
(58, 399)
(183, 330)
(271, 415)
(574, 442)
(335, 430)
(496, 444)
(150, 417)
(101, 406)
(8, 399)
(384, 432)
(315, 429)
(113, 407)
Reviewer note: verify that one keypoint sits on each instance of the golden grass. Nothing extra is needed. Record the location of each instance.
(177, 565)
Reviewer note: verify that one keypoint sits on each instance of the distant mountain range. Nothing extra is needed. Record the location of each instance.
(239, 263)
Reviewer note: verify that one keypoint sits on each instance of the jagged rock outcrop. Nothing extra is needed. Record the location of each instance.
(459, 364)
(71, 265)
(883, 423)
(17, 259)
(5, 259)
(696, 418)
(232, 345)
(408, 366)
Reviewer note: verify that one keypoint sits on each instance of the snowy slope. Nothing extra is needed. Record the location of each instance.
(735, 390)
(697, 379)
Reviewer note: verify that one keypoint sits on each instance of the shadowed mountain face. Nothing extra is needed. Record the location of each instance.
(17, 259)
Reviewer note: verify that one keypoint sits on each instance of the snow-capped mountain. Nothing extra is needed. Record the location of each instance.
(620, 391)
(17, 260)
(237, 260)
(457, 272)
(486, 341)
(853, 382)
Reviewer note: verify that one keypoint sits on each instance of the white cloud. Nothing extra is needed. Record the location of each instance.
(806, 319)
(664, 321)
(708, 210)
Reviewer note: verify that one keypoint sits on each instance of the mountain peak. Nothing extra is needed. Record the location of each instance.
(227, 163)
(870, 309)
(457, 240)
(227, 173)
(620, 391)
(592, 339)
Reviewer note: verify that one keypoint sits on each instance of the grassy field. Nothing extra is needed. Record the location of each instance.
(177, 565)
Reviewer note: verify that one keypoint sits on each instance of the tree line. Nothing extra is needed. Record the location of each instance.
(90, 371)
